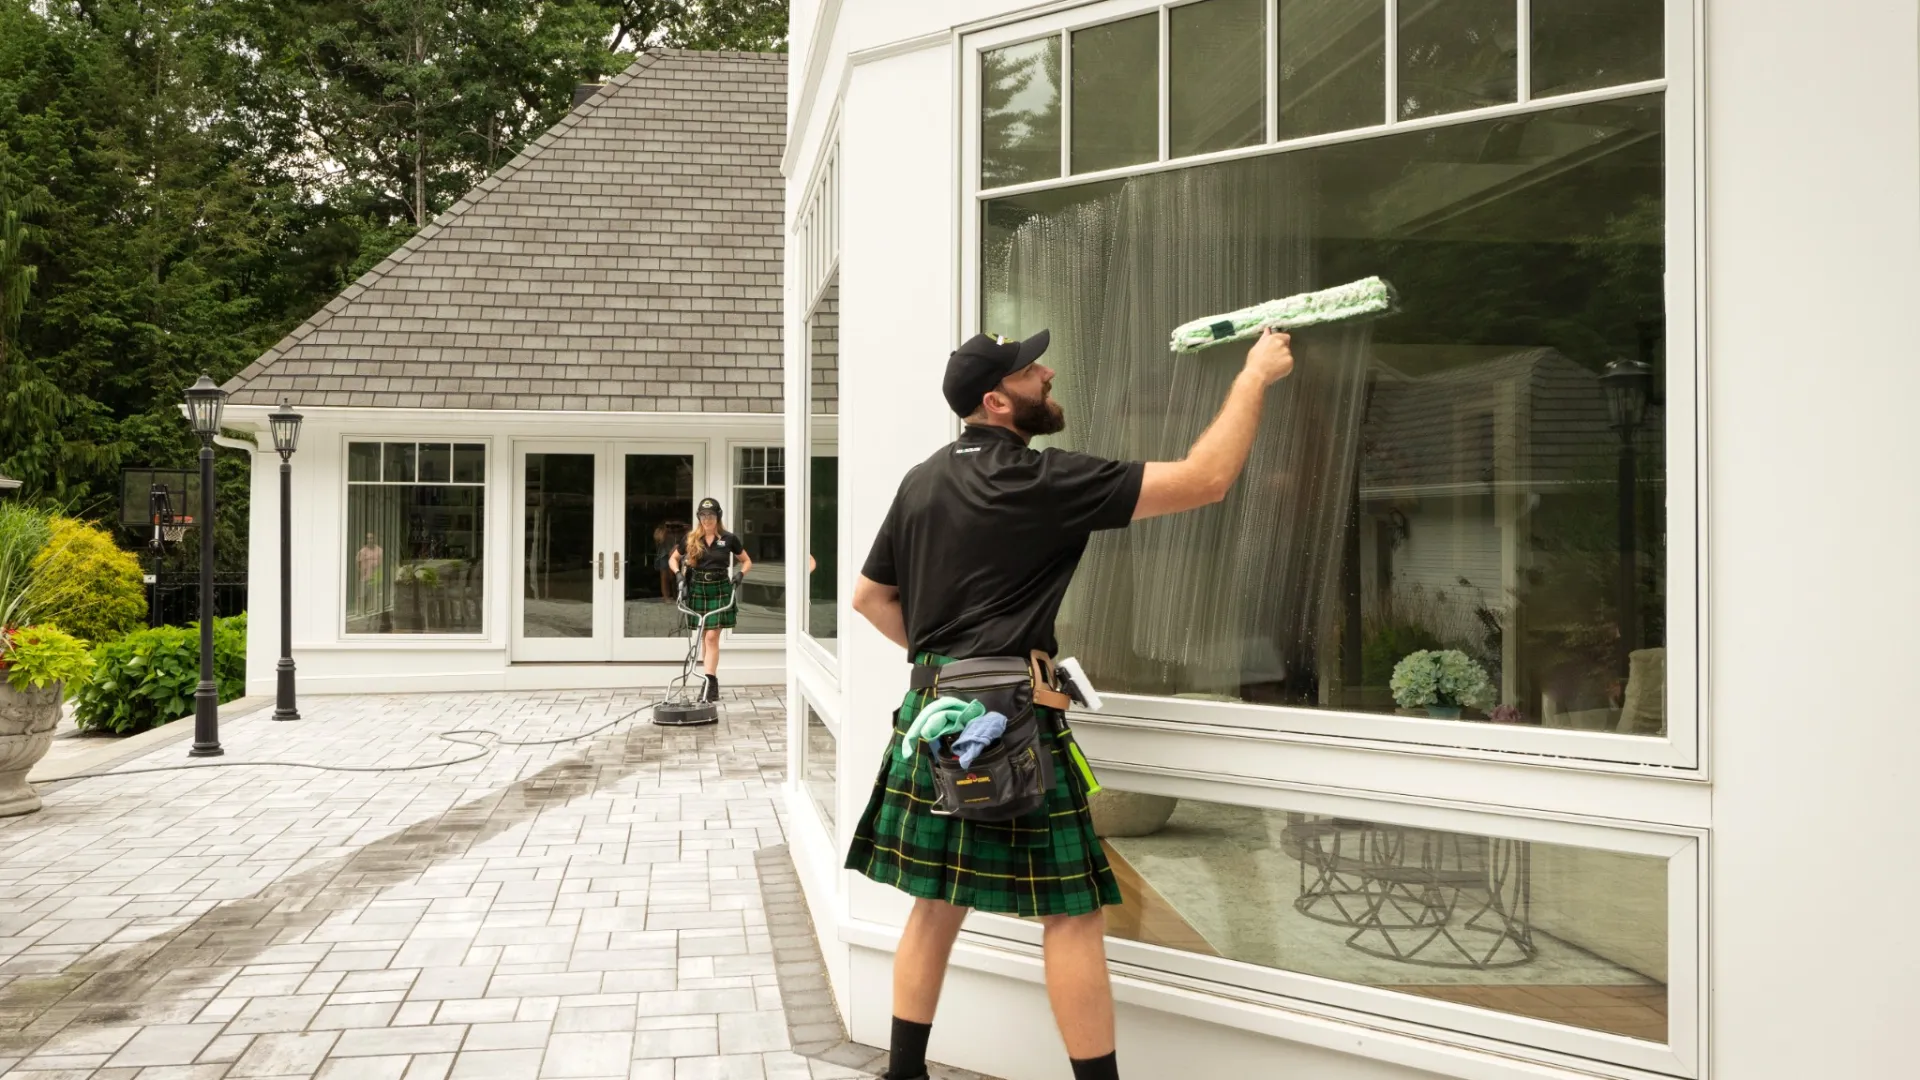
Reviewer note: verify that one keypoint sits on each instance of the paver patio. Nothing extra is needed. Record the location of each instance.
(559, 909)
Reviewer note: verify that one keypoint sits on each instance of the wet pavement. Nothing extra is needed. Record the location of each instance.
(574, 910)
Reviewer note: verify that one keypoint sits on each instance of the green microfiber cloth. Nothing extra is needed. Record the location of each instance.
(1356, 299)
(942, 716)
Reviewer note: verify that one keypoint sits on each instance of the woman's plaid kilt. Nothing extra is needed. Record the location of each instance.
(706, 596)
(1045, 863)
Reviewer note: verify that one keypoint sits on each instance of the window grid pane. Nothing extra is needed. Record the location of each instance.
(1218, 58)
(1020, 113)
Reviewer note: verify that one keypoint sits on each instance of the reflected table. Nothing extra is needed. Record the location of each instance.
(1416, 896)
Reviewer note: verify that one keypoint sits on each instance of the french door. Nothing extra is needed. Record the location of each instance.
(597, 522)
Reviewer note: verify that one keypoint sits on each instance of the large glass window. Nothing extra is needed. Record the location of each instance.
(1020, 113)
(1217, 54)
(1571, 934)
(1469, 491)
(1332, 65)
(759, 517)
(415, 526)
(823, 467)
(819, 762)
(1116, 94)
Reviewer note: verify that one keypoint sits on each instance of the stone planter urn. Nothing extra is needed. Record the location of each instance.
(27, 719)
(1129, 813)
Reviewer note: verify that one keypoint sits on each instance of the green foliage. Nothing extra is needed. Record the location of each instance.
(148, 678)
(1446, 679)
(23, 535)
(87, 585)
(183, 181)
(40, 656)
(1385, 646)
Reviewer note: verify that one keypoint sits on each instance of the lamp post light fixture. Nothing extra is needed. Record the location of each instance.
(1628, 385)
(286, 438)
(205, 403)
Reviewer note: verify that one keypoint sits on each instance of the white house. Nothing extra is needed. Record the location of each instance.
(1679, 852)
(509, 419)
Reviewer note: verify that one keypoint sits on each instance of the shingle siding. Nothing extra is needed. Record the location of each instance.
(628, 260)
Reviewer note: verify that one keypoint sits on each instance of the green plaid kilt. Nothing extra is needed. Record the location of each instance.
(705, 596)
(1045, 863)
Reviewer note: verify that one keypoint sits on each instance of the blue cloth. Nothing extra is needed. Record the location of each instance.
(942, 716)
(979, 734)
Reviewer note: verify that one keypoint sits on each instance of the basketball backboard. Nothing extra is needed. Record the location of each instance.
(137, 496)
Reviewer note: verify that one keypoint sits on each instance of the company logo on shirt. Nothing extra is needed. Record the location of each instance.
(969, 450)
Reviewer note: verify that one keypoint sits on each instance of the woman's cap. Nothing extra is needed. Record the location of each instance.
(709, 506)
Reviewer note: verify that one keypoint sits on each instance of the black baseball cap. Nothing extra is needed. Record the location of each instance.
(708, 506)
(978, 365)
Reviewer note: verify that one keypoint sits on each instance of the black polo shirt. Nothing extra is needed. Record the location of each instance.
(984, 536)
(718, 554)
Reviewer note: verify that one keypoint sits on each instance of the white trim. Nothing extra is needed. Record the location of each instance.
(1163, 119)
(826, 22)
(1065, 40)
(1273, 70)
(855, 59)
(1442, 1052)
(1308, 142)
(1390, 59)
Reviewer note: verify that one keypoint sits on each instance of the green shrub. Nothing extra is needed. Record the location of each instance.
(39, 656)
(1385, 647)
(148, 678)
(84, 583)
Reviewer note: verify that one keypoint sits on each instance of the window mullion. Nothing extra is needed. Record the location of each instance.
(1523, 38)
(1390, 43)
(1273, 70)
(1166, 84)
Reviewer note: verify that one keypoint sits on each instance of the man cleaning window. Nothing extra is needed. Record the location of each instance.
(981, 801)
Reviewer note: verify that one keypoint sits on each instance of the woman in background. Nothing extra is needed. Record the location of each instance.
(706, 557)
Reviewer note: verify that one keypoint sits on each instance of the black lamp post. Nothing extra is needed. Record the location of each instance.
(286, 438)
(1627, 384)
(205, 402)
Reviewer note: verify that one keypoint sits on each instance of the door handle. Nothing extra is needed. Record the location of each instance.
(617, 560)
(600, 559)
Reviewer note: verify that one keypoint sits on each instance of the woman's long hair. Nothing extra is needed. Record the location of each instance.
(697, 539)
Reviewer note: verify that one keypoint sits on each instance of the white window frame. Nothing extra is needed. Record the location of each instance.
(816, 235)
(487, 495)
(1607, 1054)
(1681, 751)
(733, 489)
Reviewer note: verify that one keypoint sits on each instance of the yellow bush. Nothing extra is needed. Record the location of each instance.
(86, 585)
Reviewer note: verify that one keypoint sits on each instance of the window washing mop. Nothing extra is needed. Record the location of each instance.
(1361, 299)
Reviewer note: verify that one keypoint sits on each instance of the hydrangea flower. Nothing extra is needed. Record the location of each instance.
(1446, 678)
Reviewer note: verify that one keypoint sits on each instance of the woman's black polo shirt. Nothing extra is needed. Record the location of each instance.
(984, 536)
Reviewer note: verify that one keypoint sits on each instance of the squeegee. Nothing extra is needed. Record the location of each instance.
(1354, 300)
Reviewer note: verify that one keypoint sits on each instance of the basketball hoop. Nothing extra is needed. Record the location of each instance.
(173, 534)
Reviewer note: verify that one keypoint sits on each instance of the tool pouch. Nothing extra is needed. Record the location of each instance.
(1014, 775)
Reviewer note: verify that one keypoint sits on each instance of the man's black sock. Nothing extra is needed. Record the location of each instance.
(907, 1056)
(1100, 1068)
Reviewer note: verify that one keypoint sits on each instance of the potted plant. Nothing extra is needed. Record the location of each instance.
(39, 664)
(1441, 681)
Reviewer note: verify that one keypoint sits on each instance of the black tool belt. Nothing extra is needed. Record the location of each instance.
(709, 577)
(1013, 775)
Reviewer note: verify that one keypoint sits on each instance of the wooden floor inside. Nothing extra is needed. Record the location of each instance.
(1637, 1012)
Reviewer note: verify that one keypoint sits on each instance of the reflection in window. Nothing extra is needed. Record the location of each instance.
(1116, 94)
(823, 467)
(1586, 44)
(818, 762)
(1571, 935)
(1217, 58)
(759, 517)
(415, 557)
(1457, 55)
(1333, 72)
(1450, 478)
(1020, 113)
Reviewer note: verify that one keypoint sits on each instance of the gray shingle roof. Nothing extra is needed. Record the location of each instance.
(627, 260)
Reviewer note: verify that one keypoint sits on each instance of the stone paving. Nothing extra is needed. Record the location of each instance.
(556, 909)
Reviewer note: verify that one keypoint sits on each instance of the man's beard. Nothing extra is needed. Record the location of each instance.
(1038, 416)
